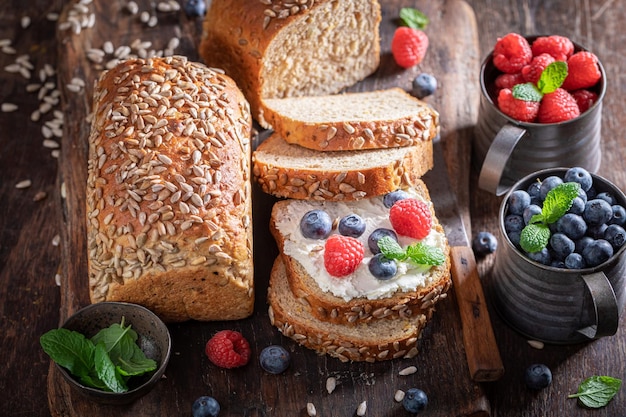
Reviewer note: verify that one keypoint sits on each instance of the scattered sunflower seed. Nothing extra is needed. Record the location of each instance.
(361, 409)
(56, 240)
(536, 344)
(23, 184)
(57, 279)
(9, 107)
(399, 396)
(331, 384)
(25, 22)
(407, 371)
(310, 410)
(40, 196)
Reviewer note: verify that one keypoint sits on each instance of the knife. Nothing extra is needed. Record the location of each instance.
(481, 349)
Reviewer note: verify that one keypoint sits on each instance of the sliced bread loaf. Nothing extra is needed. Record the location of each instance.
(292, 171)
(375, 341)
(359, 297)
(286, 48)
(350, 121)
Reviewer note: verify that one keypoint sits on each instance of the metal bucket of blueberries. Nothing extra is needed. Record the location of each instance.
(559, 274)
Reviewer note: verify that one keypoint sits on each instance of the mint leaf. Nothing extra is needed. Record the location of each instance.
(138, 364)
(558, 201)
(526, 92)
(552, 77)
(106, 370)
(597, 391)
(391, 249)
(534, 237)
(423, 254)
(413, 18)
(69, 349)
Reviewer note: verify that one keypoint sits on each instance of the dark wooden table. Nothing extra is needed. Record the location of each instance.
(31, 217)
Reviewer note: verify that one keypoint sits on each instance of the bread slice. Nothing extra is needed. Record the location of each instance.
(359, 297)
(292, 171)
(351, 121)
(284, 48)
(376, 341)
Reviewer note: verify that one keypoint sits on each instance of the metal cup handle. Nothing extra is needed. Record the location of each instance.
(496, 159)
(605, 305)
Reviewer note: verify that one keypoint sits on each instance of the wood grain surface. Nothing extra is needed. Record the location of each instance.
(31, 218)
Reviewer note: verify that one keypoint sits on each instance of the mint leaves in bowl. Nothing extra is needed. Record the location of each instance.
(110, 352)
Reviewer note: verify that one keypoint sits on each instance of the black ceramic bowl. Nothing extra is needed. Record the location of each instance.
(153, 339)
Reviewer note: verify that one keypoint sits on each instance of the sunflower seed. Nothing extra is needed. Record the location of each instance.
(23, 184)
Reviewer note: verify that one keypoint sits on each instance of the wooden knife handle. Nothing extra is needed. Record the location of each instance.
(481, 349)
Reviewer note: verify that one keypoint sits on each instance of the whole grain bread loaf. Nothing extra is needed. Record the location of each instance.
(168, 191)
(360, 297)
(292, 171)
(365, 341)
(352, 121)
(285, 48)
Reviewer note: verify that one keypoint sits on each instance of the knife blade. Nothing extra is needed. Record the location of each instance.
(481, 349)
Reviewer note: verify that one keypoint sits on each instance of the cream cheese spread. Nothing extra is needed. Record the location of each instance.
(361, 283)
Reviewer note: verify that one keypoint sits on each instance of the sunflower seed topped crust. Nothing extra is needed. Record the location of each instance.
(168, 191)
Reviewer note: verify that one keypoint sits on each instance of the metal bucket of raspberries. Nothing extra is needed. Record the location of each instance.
(560, 272)
(541, 107)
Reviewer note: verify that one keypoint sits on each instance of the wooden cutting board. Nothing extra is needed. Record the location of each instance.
(442, 372)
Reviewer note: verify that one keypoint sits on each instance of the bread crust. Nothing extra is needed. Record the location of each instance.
(329, 181)
(353, 133)
(327, 307)
(168, 192)
(369, 342)
(249, 40)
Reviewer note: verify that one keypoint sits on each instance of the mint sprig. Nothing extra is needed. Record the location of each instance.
(106, 361)
(418, 253)
(413, 18)
(536, 234)
(551, 78)
(597, 391)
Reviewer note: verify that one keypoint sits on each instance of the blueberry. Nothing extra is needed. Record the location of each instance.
(572, 225)
(415, 400)
(615, 235)
(518, 201)
(582, 243)
(484, 243)
(351, 225)
(274, 359)
(579, 175)
(561, 245)
(575, 261)
(389, 199)
(534, 189)
(195, 8)
(538, 376)
(529, 212)
(316, 224)
(608, 197)
(515, 237)
(596, 231)
(382, 267)
(424, 85)
(372, 240)
(597, 211)
(578, 206)
(619, 215)
(592, 193)
(597, 252)
(543, 256)
(513, 223)
(557, 264)
(548, 184)
(205, 406)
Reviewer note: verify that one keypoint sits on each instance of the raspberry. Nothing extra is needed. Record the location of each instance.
(582, 71)
(411, 217)
(342, 255)
(509, 80)
(228, 349)
(557, 106)
(532, 72)
(524, 111)
(585, 99)
(408, 46)
(511, 53)
(559, 47)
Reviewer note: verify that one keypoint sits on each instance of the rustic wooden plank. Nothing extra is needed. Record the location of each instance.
(249, 391)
